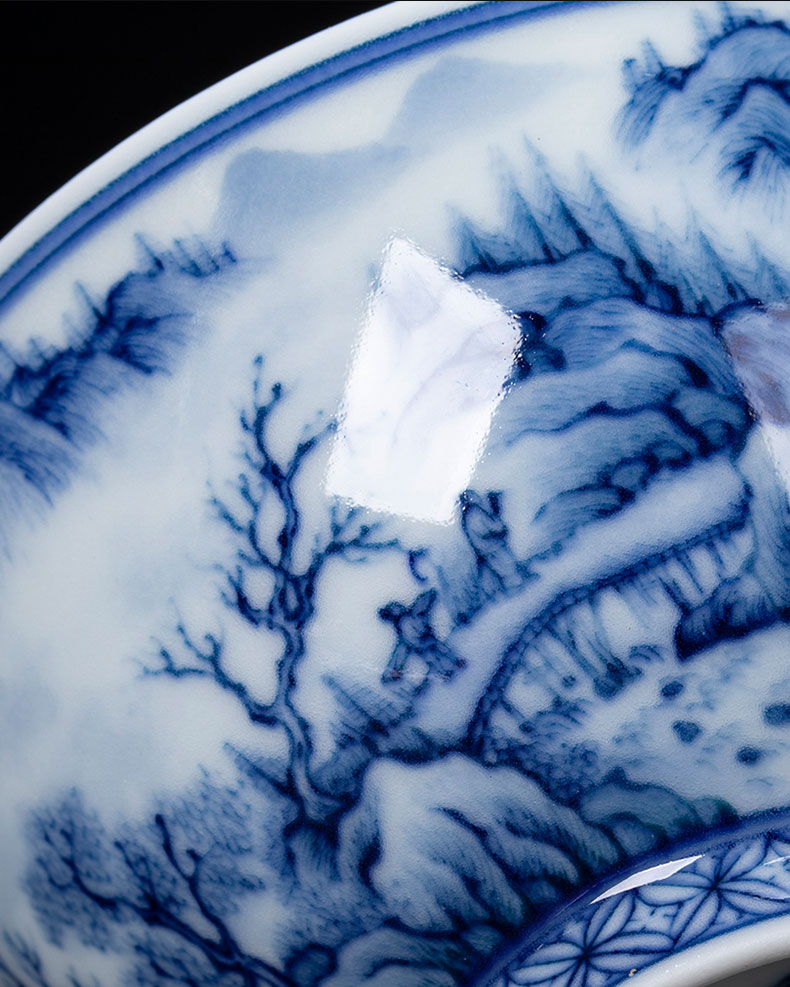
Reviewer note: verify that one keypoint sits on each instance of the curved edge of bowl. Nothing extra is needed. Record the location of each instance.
(729, 955)
(107, 172)
(698, 912)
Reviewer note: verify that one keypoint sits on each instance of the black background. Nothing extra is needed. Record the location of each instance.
(78, 77)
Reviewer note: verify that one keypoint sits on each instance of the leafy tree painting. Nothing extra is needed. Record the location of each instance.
(163, 891)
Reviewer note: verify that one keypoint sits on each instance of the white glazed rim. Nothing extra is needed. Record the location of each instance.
(705, 965)
(198, 109)
(726, 955)
(196, 124)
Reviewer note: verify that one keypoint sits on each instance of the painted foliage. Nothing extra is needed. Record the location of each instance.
(530, 672)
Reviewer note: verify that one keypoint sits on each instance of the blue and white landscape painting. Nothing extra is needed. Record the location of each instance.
(396, 545)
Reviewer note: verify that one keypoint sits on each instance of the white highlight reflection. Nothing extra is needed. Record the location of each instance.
(425, 381)
(648, 876)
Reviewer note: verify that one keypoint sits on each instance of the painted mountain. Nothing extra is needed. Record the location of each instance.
(442, 106)
(648, 503)
(52, 399)
(530, 674)
(731, 108)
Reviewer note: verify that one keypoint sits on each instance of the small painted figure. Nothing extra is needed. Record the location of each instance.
(416, 636)
(482, 525)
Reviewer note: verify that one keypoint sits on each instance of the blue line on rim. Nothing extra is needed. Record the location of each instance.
(171, 156)
(523, 944)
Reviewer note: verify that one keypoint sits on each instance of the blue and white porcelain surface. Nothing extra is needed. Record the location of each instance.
(394, 516)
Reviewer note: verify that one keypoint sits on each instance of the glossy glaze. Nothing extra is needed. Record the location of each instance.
(396, 529)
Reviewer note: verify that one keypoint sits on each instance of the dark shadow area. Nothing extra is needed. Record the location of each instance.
(78, 78)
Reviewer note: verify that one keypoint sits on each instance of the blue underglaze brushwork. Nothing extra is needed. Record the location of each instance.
(51, 399)
(541, 664)
(728, 888)
(730, 106)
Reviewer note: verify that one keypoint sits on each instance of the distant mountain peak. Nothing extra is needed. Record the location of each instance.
(730, 109)
(456, 93)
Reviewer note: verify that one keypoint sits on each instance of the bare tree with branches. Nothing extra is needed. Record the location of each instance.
(267, 484)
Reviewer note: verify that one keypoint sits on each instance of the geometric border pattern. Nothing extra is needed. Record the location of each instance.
(729, 887)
